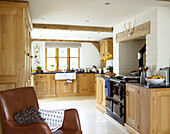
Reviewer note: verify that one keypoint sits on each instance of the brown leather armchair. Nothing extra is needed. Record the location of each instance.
(12, 101)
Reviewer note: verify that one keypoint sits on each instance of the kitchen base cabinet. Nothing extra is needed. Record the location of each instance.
(64, 88)
(132, 106)
(44, 85)
(100, 94)
(152, 114)
(85, 84)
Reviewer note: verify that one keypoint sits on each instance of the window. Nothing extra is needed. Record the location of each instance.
(58, 59)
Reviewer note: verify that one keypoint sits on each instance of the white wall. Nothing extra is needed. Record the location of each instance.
(151, 40)
(157, 42)
(89, 56)
(42, 53)
(163, 20)
(128, 56)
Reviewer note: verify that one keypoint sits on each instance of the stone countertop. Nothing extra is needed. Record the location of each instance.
(146, 85)
(101, 75)
(63, 72)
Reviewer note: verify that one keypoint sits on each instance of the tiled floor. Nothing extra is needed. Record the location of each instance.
(92, 120)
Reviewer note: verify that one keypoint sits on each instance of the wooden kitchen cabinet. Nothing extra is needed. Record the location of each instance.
(132, 106)
(105, 47)
(152, 114)
(41, 84)
(44, 85)
(160, 119)
(100, 94)
(85, 84)
(52, 84)
(15, 67)
(64, 88)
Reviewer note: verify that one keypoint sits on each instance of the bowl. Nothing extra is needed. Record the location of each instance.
(154, 81)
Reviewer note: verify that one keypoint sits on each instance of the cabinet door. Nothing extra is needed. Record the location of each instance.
(52, 84)
(132, 104)
(69, 87)
(60, 86)
(85, 83)
(161, 112)
(109, 46)
(78, 77)
(102, 50)
(92, 83)
(41, 84)
(102, 92)
(97, 90)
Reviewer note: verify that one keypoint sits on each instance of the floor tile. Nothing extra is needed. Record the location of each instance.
(92, 120)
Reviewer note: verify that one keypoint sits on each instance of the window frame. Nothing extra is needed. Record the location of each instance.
(57, 59)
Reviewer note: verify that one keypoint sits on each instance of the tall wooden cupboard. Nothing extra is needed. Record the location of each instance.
(15, 45)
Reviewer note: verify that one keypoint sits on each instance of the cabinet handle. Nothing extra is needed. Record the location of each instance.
(84, 75)
(103, 54)
(40, 76)
(53, 78)
(64, 83)
(127, 93)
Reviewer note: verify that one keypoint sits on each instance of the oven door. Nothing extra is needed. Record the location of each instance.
(118, 109)
(118, 91)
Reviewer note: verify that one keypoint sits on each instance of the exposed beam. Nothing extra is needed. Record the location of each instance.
(73, 27)
(139, 31)
(95, 43)
(54, 40)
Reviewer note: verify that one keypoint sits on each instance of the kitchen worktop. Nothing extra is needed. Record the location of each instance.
(63, 72)
(146, 85)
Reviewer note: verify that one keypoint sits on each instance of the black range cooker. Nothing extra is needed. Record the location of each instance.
(115, 101)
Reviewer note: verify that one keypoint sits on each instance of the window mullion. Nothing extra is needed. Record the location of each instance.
(68, 59)
(57, 60)
(78, 57)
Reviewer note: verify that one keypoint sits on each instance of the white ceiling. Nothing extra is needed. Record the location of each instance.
(77, 12)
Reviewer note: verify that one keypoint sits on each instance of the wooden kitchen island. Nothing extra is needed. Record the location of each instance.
(46, 86)
(147, 110)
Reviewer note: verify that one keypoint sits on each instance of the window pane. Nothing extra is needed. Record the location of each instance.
(73, 63)
(50, 61)
(62, 63)
(51, 52)
(73, 52)
(62, 52)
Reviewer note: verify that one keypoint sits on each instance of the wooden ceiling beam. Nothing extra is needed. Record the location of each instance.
(95, 43)
(73, 27)
(54, 40)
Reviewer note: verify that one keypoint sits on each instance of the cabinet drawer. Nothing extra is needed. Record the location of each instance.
(40, 77)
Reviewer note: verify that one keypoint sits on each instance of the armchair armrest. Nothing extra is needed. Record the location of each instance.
(12, 127)
(71, 120)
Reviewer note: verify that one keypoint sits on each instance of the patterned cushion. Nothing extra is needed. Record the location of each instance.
(28, 116)
(54, 118)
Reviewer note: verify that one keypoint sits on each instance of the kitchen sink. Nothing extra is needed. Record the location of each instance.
(65, 76)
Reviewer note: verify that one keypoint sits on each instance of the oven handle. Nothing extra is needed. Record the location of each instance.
(117, 85)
